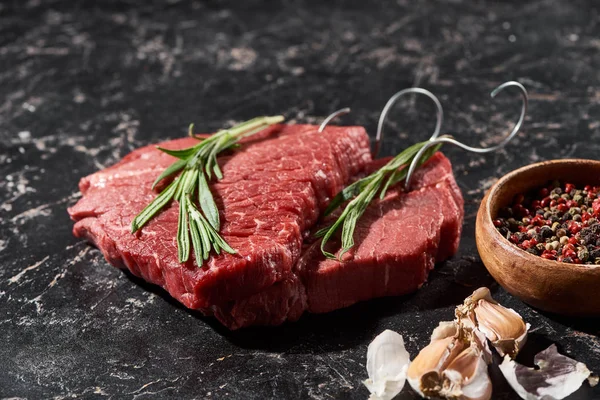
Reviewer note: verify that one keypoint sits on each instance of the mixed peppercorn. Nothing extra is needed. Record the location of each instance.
(557, 222)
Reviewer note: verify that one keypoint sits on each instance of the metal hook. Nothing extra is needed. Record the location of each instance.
(331, 116)
(451, 140)
(392, 101)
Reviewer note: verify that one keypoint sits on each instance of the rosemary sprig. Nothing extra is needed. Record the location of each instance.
(363, 191)
(198, 164)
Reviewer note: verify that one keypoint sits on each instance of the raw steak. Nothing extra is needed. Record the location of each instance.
(438, 172)
(272, 192)
(398, 240)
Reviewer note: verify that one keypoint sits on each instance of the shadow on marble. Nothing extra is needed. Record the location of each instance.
(589, 325)
(351, 326)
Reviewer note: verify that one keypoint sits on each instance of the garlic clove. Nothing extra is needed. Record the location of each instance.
(466, 377)
(424, 372)
(387, 362)
(557, 377)
(503, 326)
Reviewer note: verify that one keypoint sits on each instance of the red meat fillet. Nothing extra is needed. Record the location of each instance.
(398, 240)
(272, 192)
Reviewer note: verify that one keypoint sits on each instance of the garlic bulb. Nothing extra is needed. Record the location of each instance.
(502, 326)
(454, 365)
(387, 362)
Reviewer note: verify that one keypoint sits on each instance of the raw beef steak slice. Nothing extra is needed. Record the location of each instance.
(437, 171)
(398, 240)
(271, 194)
(427, 222)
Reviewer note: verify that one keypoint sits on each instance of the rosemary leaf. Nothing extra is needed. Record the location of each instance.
(180, 183)
(322, 232)
(204, 235)
(154, 207)
(207, 202)
(331, 231)
(356, 211)
(196, 241)
(212, 163)
(222, 244)
(183, 154)
(173, 168)
(347, 193)
(189, 184)
(394, 178)
(348, 232)
(183, 238)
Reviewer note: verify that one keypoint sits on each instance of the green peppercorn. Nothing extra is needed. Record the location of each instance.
(578, 199)
(583, 254)
(574, 210)
(564, 240)
(540, 247)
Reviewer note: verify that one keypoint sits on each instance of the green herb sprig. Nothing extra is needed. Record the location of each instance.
(363, 191)
(198, 165)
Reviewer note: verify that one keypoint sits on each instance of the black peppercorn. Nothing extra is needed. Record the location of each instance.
(546, 232)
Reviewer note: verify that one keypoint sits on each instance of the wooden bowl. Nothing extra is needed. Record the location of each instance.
(570, 289)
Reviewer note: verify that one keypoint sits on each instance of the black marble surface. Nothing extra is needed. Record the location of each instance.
(83, 83)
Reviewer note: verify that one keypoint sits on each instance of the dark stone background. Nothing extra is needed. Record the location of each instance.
(83, 83)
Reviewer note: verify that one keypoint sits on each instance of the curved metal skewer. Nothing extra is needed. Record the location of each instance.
(392, 101)
(449, 139)
(331, 116)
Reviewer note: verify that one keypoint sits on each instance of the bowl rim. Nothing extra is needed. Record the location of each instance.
(567, 267)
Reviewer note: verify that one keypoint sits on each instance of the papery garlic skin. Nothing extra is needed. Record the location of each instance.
(557, 377)
(479, 339)
(387, 363)
(444, 329)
